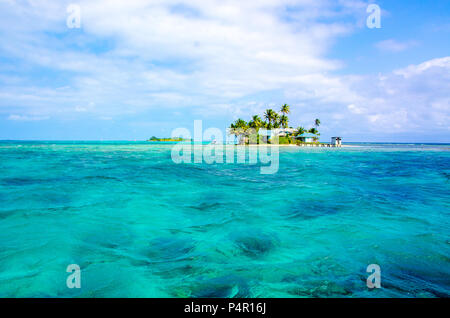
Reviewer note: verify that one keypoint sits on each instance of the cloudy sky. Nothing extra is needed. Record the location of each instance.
(139, 68)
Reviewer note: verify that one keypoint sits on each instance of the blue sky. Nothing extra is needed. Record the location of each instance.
(141, 68)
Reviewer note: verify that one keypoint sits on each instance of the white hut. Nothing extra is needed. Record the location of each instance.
(336, 141)
(307, 137)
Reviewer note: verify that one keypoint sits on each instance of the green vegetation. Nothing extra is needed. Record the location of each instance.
(300, 131)
(256, 123)
(245, 131)
(317, 123)
(178, 139)
(313, 131)
(286, 140)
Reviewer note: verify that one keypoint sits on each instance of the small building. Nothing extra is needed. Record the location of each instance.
(307, 137)
(337, 141)
(265, 134)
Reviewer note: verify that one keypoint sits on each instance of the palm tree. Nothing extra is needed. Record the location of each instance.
(276, 120)
(233, 131)
(240, 122)
(313, 131)
(239, 128)
(242, 129)
(285, 109)
(317, 123)
(300, 131)
(256, 123)
(269, 115)
(284, 120)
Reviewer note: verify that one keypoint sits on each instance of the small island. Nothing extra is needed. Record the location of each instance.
(175, 139)
(278, 123)
(274, 129)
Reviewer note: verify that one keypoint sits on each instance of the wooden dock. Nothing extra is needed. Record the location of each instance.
(319, 145)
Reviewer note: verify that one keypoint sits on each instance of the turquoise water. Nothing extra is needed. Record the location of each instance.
(139, 225)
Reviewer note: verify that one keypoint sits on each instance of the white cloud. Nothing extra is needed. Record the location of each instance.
(414, 70)
(415, 98)
(212, 59)
(174, 53)
(355, 109)
(27, 118)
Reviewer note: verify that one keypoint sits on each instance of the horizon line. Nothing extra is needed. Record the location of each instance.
(142, 140)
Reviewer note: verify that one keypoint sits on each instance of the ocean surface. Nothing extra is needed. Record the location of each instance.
(139, 225)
